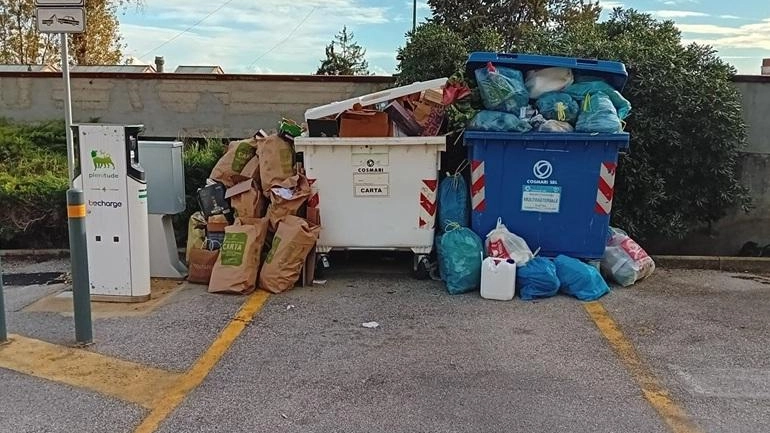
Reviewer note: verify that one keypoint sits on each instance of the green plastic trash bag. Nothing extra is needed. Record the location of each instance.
(579, 279)
(581, 89)
(558, 106)
(501, 88)
(537, 279)
(598, 115)
(453, 200)
(498, 121)
(460, 252)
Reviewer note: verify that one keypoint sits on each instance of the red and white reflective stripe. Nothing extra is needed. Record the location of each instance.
(478, 181)
(313, 200)
(606, 190)
(427, 218)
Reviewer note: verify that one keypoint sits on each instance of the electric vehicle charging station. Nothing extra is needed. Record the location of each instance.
(115, 189)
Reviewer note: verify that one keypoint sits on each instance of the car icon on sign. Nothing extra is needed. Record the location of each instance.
(68, 20)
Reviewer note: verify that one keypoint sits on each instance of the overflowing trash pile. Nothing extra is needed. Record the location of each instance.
(553, 99)
(259, 219)
(254, 228)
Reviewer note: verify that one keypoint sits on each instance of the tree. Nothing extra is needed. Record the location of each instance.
(21, 43)
(435, 51)
(686, 125)
(344, 56)
(511, 19)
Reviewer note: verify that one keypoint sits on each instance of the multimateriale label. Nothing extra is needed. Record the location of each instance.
(541, 198)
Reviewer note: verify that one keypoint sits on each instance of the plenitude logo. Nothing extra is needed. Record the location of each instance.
(102, 162)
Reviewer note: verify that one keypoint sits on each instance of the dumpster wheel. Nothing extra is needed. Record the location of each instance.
(322, 265)
(421, 267)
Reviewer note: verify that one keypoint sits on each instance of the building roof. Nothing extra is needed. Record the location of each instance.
(213, 69)
(138, 69)
(28, 68)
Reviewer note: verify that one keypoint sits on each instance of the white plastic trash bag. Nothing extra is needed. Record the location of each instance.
(624, 260)
(547, 80)
(503, 244)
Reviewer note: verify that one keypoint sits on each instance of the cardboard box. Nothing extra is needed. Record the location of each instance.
(364, 123)
(246, 199)
(404, 119)
(326, 127)
(431, 117)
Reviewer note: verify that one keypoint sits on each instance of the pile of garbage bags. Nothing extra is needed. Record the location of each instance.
(504, 265)
(255, 228)
(546, 100)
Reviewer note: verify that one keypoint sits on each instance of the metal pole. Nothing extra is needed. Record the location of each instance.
(3, 328)
(76, 221)
(414, 16)
(81, 291)
(65, 70)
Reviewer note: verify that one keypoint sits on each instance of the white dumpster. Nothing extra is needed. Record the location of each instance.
(374, 193)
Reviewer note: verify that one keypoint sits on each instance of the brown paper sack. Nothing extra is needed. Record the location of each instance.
(251, 169)
(247, 200)
(238, 265)
(196, 233)
(276, 161)
(234, 161)
(280, 207)
(293, 241)
(200, 265)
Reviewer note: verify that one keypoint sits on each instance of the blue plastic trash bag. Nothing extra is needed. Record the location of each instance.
(453, 201)
(580, 89)
(598, 115)
(498, 121)
(460, 253)
(501, 88)
(537, 279)
(558, 106)
(579, 279)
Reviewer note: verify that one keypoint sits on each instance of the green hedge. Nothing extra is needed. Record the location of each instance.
(33, 182)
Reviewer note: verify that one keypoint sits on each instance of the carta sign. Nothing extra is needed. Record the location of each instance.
(102, 203)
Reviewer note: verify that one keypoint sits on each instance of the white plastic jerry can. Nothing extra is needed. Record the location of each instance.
(498, 279)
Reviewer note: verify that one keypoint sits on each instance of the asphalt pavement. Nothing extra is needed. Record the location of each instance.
(434, 363)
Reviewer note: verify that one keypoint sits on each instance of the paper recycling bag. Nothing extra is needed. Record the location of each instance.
(276, 161)
(293, 241)
(238, 265)
(200, 265)
(246, 200)
(287, 198)
(196, 233)
(231, 164)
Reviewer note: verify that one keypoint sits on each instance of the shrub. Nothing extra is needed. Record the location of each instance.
(33, 183)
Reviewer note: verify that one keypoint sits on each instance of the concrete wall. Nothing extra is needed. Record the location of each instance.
(177, 105)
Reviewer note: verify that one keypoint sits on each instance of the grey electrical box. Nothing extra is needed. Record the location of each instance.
(164, 168)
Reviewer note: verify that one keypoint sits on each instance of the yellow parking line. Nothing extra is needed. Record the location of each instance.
(653, 390)
(125, 380)
(192, 378)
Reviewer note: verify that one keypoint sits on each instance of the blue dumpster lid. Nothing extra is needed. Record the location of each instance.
(614, 73)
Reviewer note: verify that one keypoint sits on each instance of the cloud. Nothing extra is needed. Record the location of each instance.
(244, 34)
(730, 17)
(678, 14)
(379, 70)
(749, 36)
(678, 2)
(608, 5)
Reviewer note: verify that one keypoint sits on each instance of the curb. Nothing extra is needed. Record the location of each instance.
(759, 265)
(35, 253)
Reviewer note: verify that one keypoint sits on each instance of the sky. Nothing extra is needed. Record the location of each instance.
(288, 37)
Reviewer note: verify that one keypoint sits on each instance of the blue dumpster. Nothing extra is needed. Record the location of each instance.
(553, 189)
